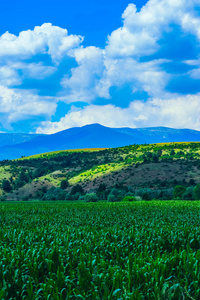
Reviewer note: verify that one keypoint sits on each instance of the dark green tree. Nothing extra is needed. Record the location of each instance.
(188, 194)
(101, 188)
(197, 192)
(23, 176)
(155, 158)
(172, 153)
(77, 189)
(91, 197)
(6, 186)
(178, 191)
(64, 184)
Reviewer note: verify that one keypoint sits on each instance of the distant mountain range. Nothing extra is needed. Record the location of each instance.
(15, 138)
(90, 136)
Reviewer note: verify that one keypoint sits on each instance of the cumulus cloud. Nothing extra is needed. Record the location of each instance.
(12, 74)
(147, 76)
(35, 70)
(81, 86)
(21, 105)
(9, 76)
(177, 112)
(119, 63)
(97, 73)
(45, 39)
(128, 59)
(142, 30)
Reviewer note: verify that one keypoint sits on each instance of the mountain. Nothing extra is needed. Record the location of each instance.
(15, 138)
(151, 135)
(97, 136)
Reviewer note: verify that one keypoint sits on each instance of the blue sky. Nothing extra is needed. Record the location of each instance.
(92, 19)
(117, 63)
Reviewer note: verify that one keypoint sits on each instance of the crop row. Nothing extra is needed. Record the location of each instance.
(142, 250)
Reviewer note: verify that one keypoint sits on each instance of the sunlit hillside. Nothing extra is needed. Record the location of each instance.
(155, 167)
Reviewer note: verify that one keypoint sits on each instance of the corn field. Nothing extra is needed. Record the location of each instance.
(141, 250)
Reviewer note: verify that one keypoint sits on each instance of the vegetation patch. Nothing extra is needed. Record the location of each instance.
(96, 172)
(129, 250)
(154, 167)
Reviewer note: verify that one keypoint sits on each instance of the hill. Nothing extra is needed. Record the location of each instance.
(152, 170)
(96, 136)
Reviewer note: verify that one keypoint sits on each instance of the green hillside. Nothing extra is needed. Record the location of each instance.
(151, 171)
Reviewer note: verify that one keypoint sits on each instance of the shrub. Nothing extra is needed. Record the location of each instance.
(81, 198)
(129, 194)
(130, 189)
(155, 158)
(138, 198)
(112, 198)
(101, 188)
(54, 194)
(44, 189)
(25, 198)
(115, 192)
(129, 198)
(23, 176)
(178, 191)
(188, 194)
(76, 189)
(6, 186)
(192, 182)
(68, 197)
(167, 194)
(91, 197)
(197, 192)
(172, 152)
(76, 196)
(61, 195)
(145, 194)
(64, 184)
(18, 183)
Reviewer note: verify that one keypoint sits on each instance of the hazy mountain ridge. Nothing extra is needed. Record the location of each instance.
(7, 139)
(94, 136)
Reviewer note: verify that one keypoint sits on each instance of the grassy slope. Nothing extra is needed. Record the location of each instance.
(90, 167)
(54, 153)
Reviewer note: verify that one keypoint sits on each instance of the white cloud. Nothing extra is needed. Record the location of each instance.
(97, 73)
(194, 73)
(140, 76)
(45, 39)
(177, 112)
(20, 105)
(118, 65)
(35, 70)
(9, 76)
(12, 74)
(84, 79)
(142, 30)
(98, 70)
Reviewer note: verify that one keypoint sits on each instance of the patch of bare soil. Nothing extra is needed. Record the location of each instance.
(28, 190)
(148, 175)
